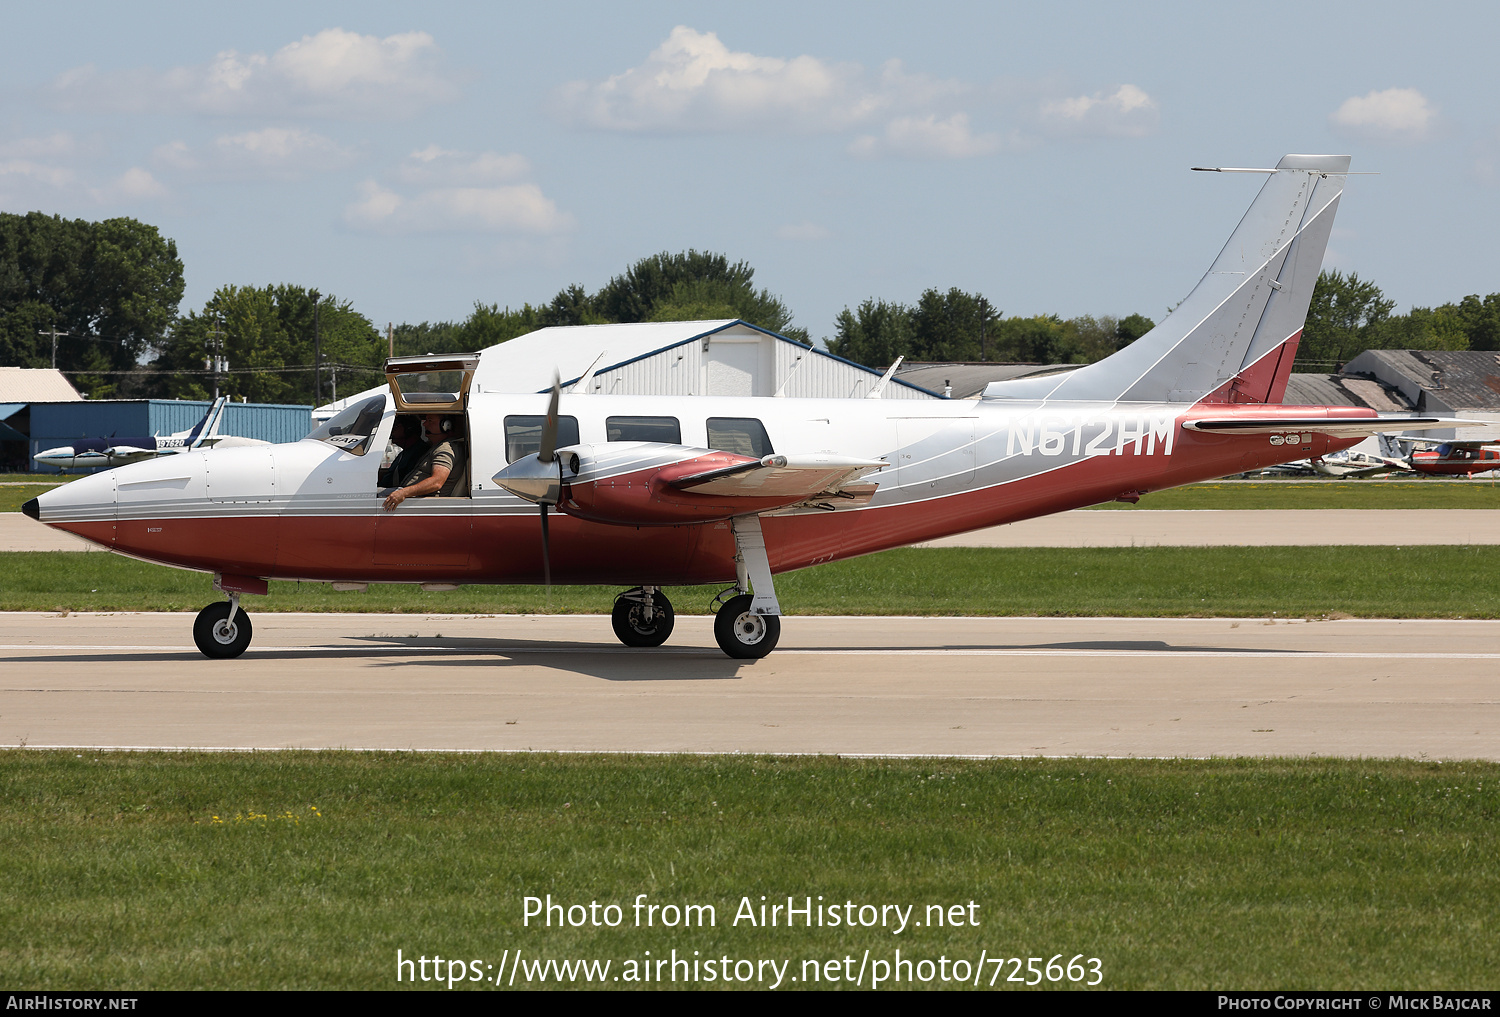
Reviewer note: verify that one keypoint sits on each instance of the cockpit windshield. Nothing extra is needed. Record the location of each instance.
(352, 428)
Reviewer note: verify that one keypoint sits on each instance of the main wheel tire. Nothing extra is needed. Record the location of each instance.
(743, 635)
(631, 626)
(218, 639)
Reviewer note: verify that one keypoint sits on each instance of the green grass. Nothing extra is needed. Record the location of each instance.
(38, 478)
(1323, 494)
(1378, 582)
(310, 870)
(12, 498)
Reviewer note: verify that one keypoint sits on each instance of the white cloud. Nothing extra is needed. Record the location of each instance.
(18, 172)
(273, 152)
(134, 185)
(1393, 115)
(432, 165)
(693, 82)
(803, 231)
(331, 74)
(55, 145)
(512, 208)
(1127, 112)
(1485, 159)
(58, 168)
(927, 138)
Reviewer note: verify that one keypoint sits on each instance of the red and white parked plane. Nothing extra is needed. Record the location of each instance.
(660, 491)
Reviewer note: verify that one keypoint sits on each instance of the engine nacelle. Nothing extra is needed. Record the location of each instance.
(631, 484)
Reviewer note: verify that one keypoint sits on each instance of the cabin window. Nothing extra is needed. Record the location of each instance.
(523, 435)
(351, 429)
(743, 436)
(663, 429)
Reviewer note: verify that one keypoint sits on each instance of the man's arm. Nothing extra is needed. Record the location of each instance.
(422, 488)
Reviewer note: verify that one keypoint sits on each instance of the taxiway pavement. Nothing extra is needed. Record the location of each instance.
(893, 686)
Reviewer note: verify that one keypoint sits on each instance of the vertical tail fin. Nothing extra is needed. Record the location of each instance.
(208, 427)
(1234, 337)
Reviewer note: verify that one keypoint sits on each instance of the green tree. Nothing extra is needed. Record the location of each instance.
(268, 336)
(113, 286)
(875, 334)
(1131, 328)
(1346, 317)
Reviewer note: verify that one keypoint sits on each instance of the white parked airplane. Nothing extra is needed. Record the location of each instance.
(95, 452)
(656, 491)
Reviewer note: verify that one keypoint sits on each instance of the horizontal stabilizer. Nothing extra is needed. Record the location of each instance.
(1338, 427)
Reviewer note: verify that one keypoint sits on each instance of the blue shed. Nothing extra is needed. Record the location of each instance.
(61, 423)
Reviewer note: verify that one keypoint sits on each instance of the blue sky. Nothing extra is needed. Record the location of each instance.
(417, 158)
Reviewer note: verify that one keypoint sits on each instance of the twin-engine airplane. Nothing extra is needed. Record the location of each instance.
(92, 453)
(655, 491)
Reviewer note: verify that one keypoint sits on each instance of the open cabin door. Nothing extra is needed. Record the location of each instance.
(435, 531)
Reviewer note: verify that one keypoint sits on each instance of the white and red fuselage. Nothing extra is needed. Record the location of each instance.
(310, 510)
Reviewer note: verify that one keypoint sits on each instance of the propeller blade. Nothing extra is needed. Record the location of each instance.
(549, 426)
(546, 553)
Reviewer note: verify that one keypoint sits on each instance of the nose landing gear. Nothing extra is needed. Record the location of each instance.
(222, 630)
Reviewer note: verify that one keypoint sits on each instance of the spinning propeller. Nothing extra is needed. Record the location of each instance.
(538, 478)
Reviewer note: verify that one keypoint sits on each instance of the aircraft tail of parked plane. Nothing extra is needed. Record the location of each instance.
(92, 453)
(661, 491)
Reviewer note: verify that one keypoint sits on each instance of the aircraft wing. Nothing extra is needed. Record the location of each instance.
(130, 453)
(789, 477)
(1339, 427)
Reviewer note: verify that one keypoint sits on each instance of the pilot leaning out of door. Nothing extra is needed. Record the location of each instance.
(429, 475)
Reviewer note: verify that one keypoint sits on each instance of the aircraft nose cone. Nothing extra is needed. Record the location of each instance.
(32, 509)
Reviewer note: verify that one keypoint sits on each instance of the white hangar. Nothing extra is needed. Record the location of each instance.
(721, 358)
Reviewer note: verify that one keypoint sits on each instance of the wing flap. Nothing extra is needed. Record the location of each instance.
(779, 476)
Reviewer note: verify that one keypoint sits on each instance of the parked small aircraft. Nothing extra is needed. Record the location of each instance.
(1449, 458)
(1353, 465)
(95, 452)
(655, 491)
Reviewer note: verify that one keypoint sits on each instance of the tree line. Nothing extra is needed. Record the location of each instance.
(1349, 315)
(104, 296)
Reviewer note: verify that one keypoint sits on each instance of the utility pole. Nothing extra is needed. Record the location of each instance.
(985, 310)
(317, 353)
(216, 361)
(54, 334)
(390, 339)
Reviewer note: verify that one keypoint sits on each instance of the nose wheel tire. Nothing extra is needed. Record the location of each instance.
(219, 637)
(631, 625)
(743, 635)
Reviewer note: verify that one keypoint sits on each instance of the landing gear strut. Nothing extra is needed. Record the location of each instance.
(222, 629)
(748, 626)
(642, 617)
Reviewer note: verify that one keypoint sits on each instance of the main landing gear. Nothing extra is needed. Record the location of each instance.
(222, 630)
(748, 624)
(742, 633)
(642, 617)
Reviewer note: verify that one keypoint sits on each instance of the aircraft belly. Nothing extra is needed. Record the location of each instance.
(215, 543)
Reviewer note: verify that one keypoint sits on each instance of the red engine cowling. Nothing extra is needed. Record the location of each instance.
(636, 490)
